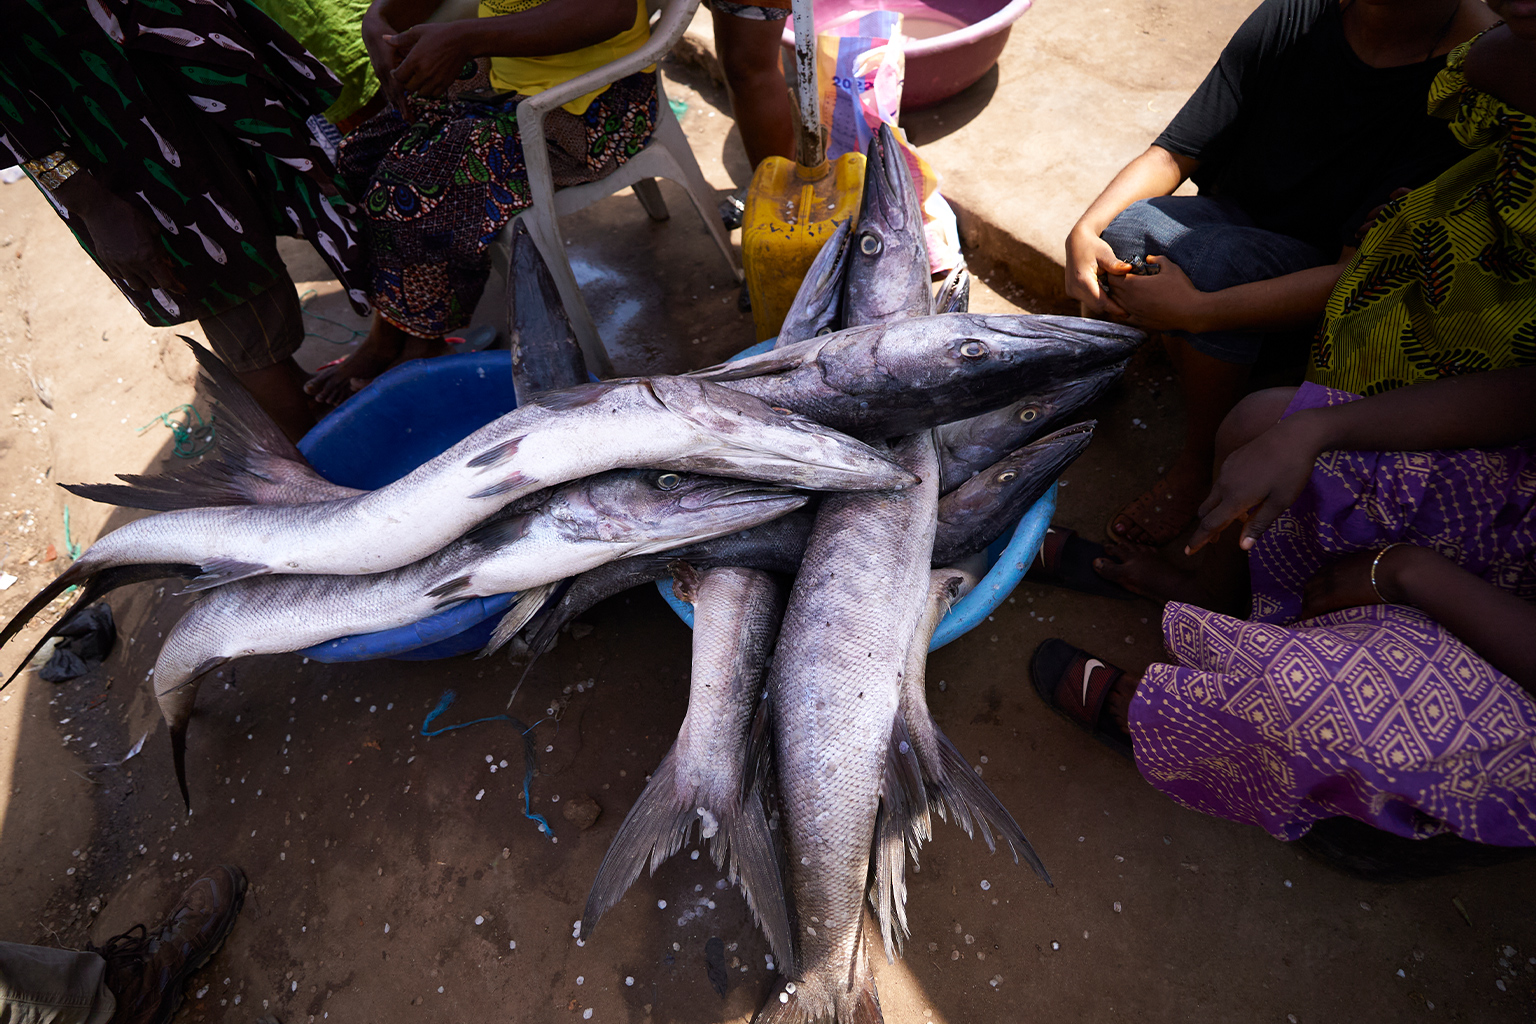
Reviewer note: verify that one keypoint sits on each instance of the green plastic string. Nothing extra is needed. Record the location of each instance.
(69, 544)
(194, 437)
(352, 333)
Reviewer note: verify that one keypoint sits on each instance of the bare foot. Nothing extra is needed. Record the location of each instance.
(332, 385)
(1162, 513)
(1143, 570)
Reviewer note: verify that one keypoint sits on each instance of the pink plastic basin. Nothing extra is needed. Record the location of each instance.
(957, 40)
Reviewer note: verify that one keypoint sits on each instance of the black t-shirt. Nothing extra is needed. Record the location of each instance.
(1301, 134)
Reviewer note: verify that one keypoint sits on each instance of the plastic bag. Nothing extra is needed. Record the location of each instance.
(860, 68)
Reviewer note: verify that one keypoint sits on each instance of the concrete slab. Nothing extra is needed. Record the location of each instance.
(1081, 88)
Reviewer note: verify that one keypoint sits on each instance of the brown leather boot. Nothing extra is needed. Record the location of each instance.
(147, 973)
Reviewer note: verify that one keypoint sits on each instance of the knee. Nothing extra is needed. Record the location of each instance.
(1249, 418)
(1130, 233)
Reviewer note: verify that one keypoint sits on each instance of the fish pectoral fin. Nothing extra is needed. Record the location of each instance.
(220, 571)
(514, 481)
(956, 789)
(525, 607)
(757, 366)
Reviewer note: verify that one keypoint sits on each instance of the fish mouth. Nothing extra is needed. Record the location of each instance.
(1076, 432)
(1077, 329)
(738, 492)
(738, 510)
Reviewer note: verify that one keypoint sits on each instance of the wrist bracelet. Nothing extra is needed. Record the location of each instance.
(1377, 561)
(52, 170)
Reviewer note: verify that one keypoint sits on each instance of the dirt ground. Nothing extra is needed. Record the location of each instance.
(396, 878)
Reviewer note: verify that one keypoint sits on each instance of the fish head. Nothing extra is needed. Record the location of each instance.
(818, 303)
(742, 436)
(1060, 401)
(973, 362)
(888, 271)
(660, 509)
(1031, 467)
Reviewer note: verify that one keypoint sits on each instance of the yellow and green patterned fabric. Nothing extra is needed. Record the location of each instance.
(1445, 283)
(529, 76)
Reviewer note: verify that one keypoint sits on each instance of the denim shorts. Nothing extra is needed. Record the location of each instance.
(1218, 246)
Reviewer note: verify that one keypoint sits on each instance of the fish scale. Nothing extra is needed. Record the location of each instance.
(835, 684)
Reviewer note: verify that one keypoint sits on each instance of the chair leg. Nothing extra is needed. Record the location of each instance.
(670, 134)
(546, 237)
(649, 194)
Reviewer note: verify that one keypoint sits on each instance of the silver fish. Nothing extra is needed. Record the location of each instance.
(818, 305)
(179, 36)
(228, 218)
(839, 741)
(230, 44)
(165, 221)
(545, 352)
(214, 249)
(885, 380)
(977, 512)
(968, 446)
(888, 276)
(107, 21)
(166, 149)
(713, 775)
(210, 105)
(581, 525)
(661, 422)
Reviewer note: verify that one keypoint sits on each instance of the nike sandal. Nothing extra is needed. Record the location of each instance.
(1066, 560)
(1077, 685)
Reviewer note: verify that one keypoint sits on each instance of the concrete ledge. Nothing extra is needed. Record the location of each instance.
(1080, 89)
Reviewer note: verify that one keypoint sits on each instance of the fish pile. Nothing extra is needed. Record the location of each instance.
(923, 424)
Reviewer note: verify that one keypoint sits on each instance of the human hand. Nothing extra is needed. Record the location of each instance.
(1259, 481)
(1166, 300)
(376, 32)
(1344, 584)
(1374, 217)
(1089, 257)
(125, 241)
(430, 56)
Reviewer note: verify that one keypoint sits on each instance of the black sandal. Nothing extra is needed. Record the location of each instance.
(1066, 560)
(1077, 685)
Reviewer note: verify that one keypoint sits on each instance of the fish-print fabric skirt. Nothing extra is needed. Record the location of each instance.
(1377, 712)
(437, 191)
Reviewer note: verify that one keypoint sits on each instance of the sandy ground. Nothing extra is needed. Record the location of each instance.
(395, 878)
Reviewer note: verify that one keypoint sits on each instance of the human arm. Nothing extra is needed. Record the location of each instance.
(382, 20)
(430, 55)
(1496, 624)
(1169, 301)
(1503, 61)
(125, 240)
(1264, 477)
(1157, 172)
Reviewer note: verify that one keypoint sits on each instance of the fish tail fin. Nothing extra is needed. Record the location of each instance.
(855, 1000)
(179, 760)
(903, 821)
(740, 843)
(655, 828)
(956, 789)
(254, 464)
(176, 702)
(524, 607)
(94, 589)
(77, 573)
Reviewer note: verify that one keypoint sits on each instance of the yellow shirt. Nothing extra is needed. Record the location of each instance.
(528, 76)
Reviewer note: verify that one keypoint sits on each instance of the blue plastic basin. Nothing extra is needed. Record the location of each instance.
(408, 415)
(1008, 560)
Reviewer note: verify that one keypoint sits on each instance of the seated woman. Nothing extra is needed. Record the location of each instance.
(1313, 115)
(1387, 672)
(441, 171)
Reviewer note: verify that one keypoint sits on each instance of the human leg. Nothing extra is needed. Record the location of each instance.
(747, 39)
(1218, 246)
(258, 339)
(39, 985)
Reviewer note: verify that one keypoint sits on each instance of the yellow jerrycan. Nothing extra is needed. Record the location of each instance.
(792, 207)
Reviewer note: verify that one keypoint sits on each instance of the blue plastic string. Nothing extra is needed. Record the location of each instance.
(529, 761)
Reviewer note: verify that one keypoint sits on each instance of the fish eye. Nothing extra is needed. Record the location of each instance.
(973, 350)
(668, 481)
(870, 245)
(1028, 414)
(1006, 476)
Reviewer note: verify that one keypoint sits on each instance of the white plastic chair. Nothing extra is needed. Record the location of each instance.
(666, 155)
